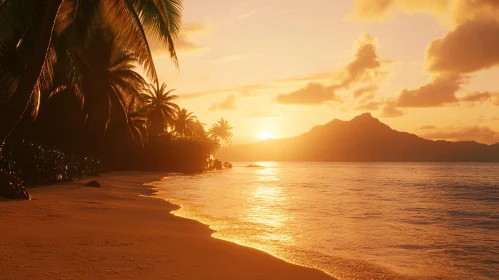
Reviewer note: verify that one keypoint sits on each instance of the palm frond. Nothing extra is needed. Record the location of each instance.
(74, 75)
(125, 21)
(15, 18)
(45, 80)
(66, 16)
(162, 18)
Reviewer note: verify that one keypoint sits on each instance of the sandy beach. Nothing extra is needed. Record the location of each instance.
(70, 231)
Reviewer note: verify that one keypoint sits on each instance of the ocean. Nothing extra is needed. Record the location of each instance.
(354, 220)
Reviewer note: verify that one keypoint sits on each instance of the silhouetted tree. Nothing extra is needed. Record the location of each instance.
(160, 107)
(137, 122)
(33, 27)
(184, 123)
(198, 130)
(109, 78)
(221, 130)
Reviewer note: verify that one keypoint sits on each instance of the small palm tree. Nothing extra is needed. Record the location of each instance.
(221, 130)
(160, 107)
(184, 123)
(137, 121)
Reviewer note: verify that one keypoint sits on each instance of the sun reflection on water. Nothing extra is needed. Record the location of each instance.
(266, 200)
(264, 221)
(267, 206)
(353, 221)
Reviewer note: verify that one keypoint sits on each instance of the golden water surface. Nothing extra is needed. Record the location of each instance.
(353, 220)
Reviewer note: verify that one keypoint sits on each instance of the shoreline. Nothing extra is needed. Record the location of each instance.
(122, 231)
(336, 267)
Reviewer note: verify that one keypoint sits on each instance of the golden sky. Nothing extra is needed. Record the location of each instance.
(427, 67)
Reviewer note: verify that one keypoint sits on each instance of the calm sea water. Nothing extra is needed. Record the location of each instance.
(355, 220)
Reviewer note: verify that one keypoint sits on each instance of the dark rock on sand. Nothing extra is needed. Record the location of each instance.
(12, 187)
(94, 184)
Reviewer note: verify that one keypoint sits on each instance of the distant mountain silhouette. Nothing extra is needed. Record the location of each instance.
(363, 139)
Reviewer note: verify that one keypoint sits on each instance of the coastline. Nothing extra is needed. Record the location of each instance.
(338, 267)
(118, 231)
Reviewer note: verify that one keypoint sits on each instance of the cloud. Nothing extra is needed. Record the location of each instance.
(253, 90)
(372, 9)
(312, 94)
(369, 90)
(184, 41)
(307, 78)
(369, 106)
(257, 89)
(227, 104)
(428, 127)
(365, 96)
(453, 11)
(390, 110)
(245, 90)
(363, 71)
(365, 68)
(470, 47)
(472, 133)
(465, 10)
(379, 10)
(438, 92)
(477, 97)
(234, 57)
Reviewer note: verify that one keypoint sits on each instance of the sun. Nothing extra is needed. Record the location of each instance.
(264, 135)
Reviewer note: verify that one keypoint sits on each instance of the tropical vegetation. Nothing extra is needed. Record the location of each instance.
(221, 131)
(160, 107)
(186, 123)
(71, 92)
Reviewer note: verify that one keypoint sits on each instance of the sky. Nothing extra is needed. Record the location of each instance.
(276, 68)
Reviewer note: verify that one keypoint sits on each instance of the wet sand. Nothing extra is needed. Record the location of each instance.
(70, 231)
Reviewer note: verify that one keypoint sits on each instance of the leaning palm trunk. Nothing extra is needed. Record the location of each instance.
(11, 114)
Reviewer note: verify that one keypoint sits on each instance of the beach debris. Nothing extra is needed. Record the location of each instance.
(12, 187)
(93, 183)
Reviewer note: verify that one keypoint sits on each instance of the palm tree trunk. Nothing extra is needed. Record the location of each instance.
(11, 114)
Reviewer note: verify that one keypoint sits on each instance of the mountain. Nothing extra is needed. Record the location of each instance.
(362, 139)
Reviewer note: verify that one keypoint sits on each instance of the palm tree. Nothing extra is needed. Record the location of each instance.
(137, 121)
(108, 77)
(221, 130)
(198, 130)
(184, 123)
(33, 28)
(160, 107)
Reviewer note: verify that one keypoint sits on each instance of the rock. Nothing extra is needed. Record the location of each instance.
(93, 183)
(12, 187)
(227, 165)
(217, 165)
